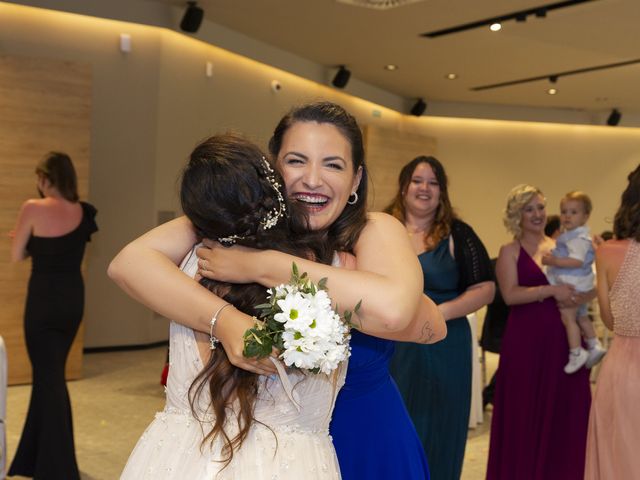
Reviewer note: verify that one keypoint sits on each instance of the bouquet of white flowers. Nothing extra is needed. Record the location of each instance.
(301, 324)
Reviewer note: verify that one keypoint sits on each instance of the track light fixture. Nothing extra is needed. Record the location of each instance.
(342, 77)
(192, 18)
(554, 77)
(539, 11)
(418, 108)
(614, 117)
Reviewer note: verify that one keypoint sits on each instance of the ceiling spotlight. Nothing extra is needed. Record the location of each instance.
(541, 13)
(451, 76)
(418, 108)
(192, 18)
(552, 91)
(614, 117)
(521, 17)
(342, 77)
(391, 67)
(553, 78)
(495, 27)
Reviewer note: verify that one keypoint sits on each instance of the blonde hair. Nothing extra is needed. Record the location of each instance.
(518, 197)
(580, 197)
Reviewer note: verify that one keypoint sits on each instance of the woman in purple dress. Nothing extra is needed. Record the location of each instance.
(540, 414)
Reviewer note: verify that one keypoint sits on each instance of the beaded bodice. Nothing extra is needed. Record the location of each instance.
(624, 296)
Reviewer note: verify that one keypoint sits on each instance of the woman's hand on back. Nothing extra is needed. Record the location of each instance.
(234, 264)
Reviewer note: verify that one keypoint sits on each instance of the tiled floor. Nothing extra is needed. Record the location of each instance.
(117, 398)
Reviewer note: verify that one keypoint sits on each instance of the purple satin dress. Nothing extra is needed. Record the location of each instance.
(540, 414)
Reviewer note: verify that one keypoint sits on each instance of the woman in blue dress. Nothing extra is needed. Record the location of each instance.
(318, 150)
(435, 380)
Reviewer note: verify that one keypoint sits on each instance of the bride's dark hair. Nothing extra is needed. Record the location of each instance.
(225, 192)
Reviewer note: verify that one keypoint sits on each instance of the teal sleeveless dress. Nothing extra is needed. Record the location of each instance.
(435, 380)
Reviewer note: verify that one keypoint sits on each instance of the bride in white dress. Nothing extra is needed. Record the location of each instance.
(287, 431)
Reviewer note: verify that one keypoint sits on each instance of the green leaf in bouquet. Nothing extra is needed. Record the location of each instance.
(295, 274)
(357, 307)
(322, 284)
(257, 344)
(251, 349)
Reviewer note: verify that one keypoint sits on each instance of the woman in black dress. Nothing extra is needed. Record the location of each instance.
(53, 230)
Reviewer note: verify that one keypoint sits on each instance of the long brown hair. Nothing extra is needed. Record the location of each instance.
(343, 233)
(626, 223)
(58, 169)
(445, 214)
(225, 192)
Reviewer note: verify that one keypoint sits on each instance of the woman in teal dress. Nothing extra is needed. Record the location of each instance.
(435, 380)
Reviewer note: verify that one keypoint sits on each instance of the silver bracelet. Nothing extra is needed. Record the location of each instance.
(213, 340)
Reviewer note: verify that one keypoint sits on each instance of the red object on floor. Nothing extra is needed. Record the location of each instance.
(164, 375)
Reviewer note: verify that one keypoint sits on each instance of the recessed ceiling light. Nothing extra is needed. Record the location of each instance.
(552, 91)
(495, 27)
(391, 67)
(451, 76)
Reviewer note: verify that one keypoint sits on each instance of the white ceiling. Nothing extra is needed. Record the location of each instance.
(332, 33)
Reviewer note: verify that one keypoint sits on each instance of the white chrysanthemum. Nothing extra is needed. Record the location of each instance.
(334, 356)
(296, 312)
(320, 300)
(281, 291)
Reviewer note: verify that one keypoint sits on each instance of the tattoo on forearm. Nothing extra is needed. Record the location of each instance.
(427, 332)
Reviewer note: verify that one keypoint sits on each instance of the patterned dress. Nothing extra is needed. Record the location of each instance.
(614, 423)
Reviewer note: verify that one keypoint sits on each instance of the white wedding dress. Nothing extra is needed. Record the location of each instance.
(296, 407)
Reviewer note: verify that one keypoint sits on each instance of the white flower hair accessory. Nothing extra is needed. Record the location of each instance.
(272, 217)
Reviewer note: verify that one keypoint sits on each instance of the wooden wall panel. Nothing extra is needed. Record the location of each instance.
(387, 152)
(45, 105)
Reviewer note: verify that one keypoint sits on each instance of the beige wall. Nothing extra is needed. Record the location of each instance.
(152, 105)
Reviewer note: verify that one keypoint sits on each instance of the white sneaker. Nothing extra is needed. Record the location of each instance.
(576, 361)
(595, 355)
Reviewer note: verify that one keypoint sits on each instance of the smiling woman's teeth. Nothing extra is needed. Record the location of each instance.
(312, 199)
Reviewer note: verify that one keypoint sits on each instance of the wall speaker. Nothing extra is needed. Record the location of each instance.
(418, 108)
(342, 77)
(614, 117)
(192, 18)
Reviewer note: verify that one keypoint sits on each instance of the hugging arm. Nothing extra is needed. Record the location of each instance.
(147, 270)
(427, 326)
(388, 279)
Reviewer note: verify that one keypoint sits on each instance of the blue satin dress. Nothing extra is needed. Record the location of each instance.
(371, 429)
